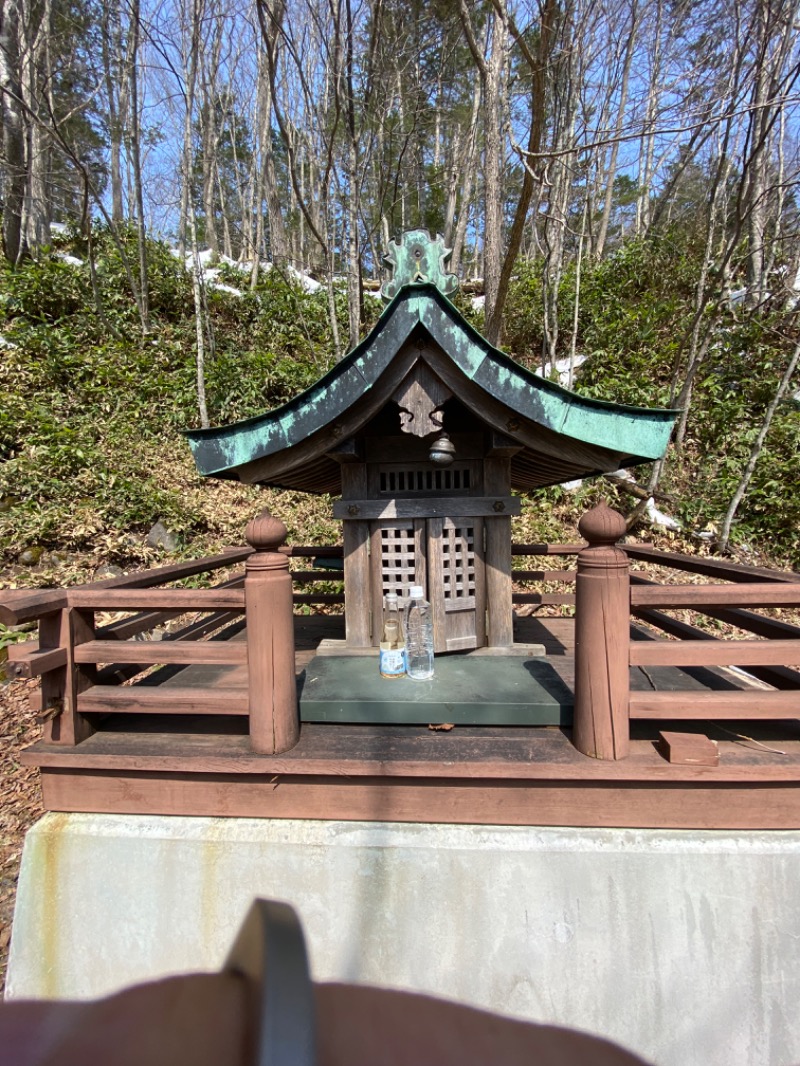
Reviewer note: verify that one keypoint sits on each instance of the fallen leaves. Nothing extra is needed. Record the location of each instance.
(21, 802)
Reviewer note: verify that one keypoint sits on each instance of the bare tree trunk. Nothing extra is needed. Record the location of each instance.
(13, 131)
(492, 74)
(539, 70)
(136, 158)
(278, 242)
(190, 79)
(611, 169)
(577, 302)
(647, 148)
(755, 452)
(468, 167)
(36, 215)
(111, 36)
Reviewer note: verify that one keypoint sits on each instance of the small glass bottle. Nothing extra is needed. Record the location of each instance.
(392, 645)
(419, 636)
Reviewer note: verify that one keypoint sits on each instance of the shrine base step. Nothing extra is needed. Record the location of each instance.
(465, 690)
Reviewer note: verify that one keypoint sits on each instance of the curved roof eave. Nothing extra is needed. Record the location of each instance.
(636, 431)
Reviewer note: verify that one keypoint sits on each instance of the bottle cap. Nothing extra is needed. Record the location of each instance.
(416, 592)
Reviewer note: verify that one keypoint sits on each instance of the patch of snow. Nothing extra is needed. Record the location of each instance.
(234, 264)
(374, 293)
(58, 228)
(220, 287)
(307, 284)
(204, 258)
(623, 475)
(6, 343)
(478, 302)
(561, 368)
(70, 259)
(658, 518)
(571, 486)
(737, 297)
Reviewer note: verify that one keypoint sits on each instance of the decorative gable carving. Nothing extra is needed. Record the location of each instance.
(421, 398)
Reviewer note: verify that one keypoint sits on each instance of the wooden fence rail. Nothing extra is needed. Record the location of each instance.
(82, 663)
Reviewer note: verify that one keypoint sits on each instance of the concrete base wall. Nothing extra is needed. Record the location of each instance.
(683, 946)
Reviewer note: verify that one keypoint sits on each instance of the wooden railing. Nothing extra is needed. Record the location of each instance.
(608, 596)
(83, 664)
(72, 647)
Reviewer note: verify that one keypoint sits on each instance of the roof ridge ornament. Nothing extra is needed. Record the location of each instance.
(417, 258)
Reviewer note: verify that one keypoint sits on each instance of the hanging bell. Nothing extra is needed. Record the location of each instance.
(443, 451)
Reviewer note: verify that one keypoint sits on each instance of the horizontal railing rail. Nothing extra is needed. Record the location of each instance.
(695, 564)
(82, 658)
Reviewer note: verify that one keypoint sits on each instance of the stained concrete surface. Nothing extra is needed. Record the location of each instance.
(683, 946)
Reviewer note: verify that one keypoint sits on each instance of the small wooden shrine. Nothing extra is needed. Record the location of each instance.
(425, 430)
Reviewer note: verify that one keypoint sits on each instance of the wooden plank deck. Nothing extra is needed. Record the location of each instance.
(204, 765)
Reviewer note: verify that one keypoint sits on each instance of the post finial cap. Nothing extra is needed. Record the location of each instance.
(265, 532)
(602, 525)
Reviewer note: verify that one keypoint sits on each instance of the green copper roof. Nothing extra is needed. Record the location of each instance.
(635, 434)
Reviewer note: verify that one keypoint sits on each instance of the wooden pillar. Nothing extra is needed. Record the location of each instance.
(602, 638)
(497, 482)
(61, 687)
(355, 540)
(274, 717)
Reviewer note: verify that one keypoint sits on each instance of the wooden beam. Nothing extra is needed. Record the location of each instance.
(695, 564)
(546, 549)
(465, 754)
(430, 507)
(318, 597)
(699, 597)
(156, 599)
(18, 606)
(715, 653)
(567, 577)
(27, 660)
(480, 803)
(161, 699)
(696, 706)
(200, 652)
(545, 598)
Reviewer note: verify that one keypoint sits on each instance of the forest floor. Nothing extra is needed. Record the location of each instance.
(22, 803)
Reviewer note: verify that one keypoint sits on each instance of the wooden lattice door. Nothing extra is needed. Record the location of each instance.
(456, 583)
(446, 557)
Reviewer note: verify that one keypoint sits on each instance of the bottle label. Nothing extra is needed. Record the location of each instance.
(393, 662)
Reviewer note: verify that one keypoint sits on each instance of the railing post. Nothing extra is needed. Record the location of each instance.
(602, 637)
(274, 718)
(61, 688)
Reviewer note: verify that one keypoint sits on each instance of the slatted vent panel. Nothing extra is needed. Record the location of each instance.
(398, 560)
(412, 480)
(458, 563)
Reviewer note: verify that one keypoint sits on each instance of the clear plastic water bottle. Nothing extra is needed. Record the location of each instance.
(419, 636)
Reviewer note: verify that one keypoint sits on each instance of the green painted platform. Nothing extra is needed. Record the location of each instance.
(465, 690)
